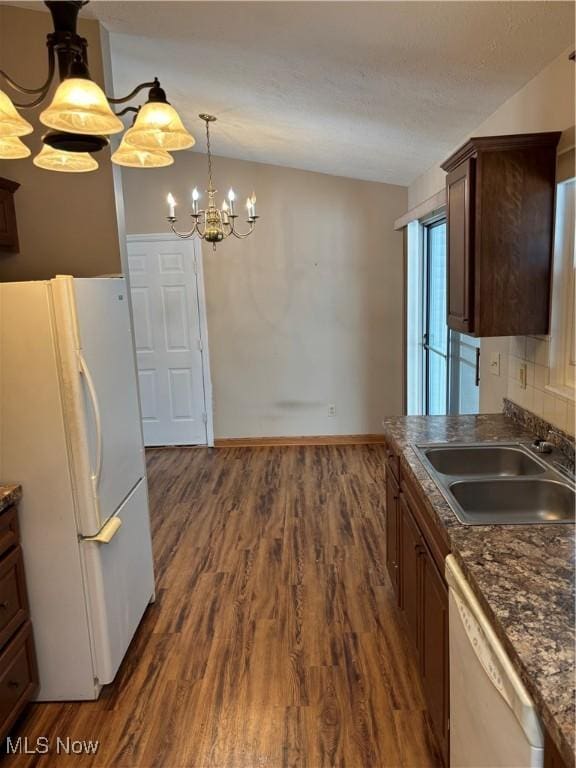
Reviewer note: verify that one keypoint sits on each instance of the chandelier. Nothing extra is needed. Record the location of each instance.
(213, 224)
(80, 116)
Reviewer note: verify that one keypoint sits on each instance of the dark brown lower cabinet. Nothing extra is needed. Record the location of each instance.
(392, 512)
(18, 671)
(411, 572)
(434, 656)
(552, 756)
(415, 559)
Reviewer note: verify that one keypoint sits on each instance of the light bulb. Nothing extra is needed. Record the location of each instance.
(68, 162)
(231, 195)
(131, 157)
(195, 194)
(11, 122)
(158, 126)
(81, 106)
(11, 148)
(225, 206)
(171, 203)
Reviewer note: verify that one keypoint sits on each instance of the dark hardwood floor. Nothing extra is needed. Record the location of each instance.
(273, 640)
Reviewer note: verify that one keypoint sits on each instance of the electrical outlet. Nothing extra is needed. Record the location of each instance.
(331, 410)
(495, 364)
(523, 375)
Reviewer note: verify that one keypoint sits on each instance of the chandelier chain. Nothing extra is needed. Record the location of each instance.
(210, 186)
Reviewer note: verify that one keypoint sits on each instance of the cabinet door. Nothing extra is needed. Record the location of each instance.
(410, 576)
(8, 230)
(434, 650)
(552, 757)
(460, 204)
(392, 497)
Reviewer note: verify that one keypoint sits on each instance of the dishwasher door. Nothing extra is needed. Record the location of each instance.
(493, 723)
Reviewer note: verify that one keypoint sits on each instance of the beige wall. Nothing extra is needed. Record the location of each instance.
(305, 312)
(546, 103)
(66, 223)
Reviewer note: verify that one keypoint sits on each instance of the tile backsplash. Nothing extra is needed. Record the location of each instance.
(528, 357)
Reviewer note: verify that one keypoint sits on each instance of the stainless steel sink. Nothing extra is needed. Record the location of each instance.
(501, 460)
(499, 484)
(514, 501)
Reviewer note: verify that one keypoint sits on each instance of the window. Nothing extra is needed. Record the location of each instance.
(563, 341)
(442, 364)
(435, 337)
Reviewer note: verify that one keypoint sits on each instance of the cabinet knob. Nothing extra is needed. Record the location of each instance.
(4, 604)
(13, 684)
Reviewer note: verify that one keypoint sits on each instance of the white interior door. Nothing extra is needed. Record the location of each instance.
(169, 340)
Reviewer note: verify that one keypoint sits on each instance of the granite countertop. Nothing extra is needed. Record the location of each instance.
(523, 576)
(10, 493)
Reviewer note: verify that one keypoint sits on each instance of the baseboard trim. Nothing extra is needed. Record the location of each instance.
(262, 442)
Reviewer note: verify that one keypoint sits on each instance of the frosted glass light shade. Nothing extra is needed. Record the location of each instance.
(132, 157)
(80, 106)
(158, 126)
(11, 121)
(68, 162)
(11, 148)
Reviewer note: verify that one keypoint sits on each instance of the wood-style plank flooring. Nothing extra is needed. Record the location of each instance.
(274, 640)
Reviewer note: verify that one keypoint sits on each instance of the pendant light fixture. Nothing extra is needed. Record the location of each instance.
(68, 162)
(80, 106)
(12, 148)
(11, 123)
(158, 125)
(132, 157)
(213, 224)
(80, 114)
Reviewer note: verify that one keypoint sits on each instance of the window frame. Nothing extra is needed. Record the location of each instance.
(416, 314)
(427, 348)
(562, 351)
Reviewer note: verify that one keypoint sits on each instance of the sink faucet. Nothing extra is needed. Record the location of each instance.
(542, 446)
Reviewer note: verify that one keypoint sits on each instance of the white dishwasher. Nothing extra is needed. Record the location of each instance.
(493, 723)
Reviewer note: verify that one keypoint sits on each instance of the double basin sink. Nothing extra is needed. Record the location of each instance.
(487, 484)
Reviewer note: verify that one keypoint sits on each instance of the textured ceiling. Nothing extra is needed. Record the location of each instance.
(371, 90)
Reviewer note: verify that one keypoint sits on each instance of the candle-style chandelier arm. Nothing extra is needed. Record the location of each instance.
(184, 235)
(241, 235)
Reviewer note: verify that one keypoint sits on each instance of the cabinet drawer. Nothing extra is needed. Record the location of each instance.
(9, 535)
(18, 677)
(13, 602)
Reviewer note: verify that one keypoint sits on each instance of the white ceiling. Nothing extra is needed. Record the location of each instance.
(372, 90)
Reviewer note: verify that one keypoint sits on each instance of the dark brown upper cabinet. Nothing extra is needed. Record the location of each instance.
(500, 208)
(8, 229)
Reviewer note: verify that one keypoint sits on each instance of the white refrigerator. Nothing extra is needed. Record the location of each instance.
(70, 433)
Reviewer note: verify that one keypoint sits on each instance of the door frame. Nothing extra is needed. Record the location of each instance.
(195, 252)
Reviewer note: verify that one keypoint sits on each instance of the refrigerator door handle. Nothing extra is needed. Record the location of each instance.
(95, 408)
(106, 533)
